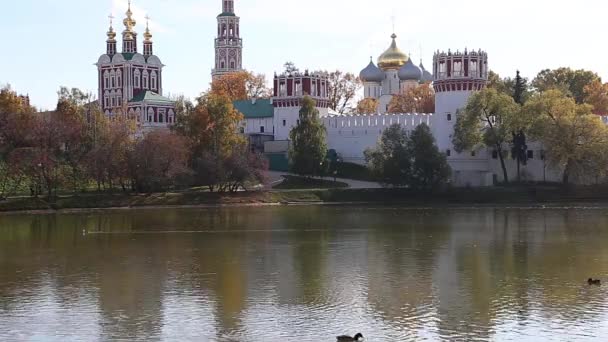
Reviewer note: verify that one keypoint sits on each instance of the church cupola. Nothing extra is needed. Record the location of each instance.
(111, 42)
(228, 7)
(129, 36)
(148, 51)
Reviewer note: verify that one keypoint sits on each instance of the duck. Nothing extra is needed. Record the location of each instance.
(594, 281)
(346, 338)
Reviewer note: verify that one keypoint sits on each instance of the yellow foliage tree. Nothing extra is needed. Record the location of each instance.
(596, 94)
(420, 99)
(367, 106)
(574, 138)
(240, 85)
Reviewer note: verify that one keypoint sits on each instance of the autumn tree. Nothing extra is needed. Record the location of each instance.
(486, 120)
(596, 95)
(158, 160)
(241, 85)
(367, 106)
(568, 81)
(575, 140)
(212, 126)
(420, 99)
(343, 88)
(307, 141)
(107, 161)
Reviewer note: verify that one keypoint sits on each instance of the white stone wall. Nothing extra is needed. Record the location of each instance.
(351, 135)
(254, 125)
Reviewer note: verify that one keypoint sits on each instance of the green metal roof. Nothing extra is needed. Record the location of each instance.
(262, 108)
(150, 96)
(128, 56)
(227, 14)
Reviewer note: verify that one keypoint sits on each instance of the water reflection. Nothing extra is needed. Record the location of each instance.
(304, 273)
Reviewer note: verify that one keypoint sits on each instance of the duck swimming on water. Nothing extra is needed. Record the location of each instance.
(594, 281)
(346, 338)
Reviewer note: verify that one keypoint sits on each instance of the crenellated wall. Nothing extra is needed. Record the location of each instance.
(351, 135)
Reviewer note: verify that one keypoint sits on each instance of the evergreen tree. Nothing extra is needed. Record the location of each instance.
(429, 166)
(391, 160)
(519, 150)
(308, 149)
(520, 89)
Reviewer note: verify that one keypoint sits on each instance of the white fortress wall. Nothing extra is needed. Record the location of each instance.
(351, 135)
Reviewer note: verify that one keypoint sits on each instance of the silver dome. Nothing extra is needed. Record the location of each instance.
(371, 73)
(410, 72)
(426, 75)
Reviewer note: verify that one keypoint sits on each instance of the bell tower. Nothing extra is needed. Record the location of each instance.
(228, 44)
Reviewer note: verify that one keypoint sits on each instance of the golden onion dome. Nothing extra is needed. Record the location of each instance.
(392, 58)
(111, 33)
(147, 34)
(129, 22)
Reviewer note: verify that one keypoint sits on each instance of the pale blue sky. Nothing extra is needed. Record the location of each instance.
(49, 43)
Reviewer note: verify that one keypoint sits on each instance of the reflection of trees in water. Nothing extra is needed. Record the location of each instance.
(517, 262)
(475, 269)
(402, 252)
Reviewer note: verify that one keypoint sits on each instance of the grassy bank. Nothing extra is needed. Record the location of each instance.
(454, 197)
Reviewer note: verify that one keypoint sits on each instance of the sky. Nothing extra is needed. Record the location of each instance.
(53, 43)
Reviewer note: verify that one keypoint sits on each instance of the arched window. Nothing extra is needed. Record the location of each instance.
(153, 80)
(119, 78)
(151, 117)
(232, 64)
(136, 79)
(112, 79)
(119, 98)
(145, 80)
(106, 99)
(222, 65)
(106, 79)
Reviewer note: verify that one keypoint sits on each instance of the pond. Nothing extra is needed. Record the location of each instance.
(305, 273)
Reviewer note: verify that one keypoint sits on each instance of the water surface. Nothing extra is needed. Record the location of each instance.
(304, 274)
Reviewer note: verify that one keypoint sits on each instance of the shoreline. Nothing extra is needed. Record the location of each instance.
(503, 198)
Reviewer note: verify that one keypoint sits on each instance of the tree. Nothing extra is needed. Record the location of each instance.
(391, 160)
(16, 121)
(212, 126)
(520, 89)
(107, 161)
(519, 149)
(568, 81)
(420, 99)
(343, 88)
(596, 95)
(486, 120)
(232, 85)
(256, 87)
(308, 148)
(575, 139)
(242, 85)
(290, 68)
(367, 106)
(157, 161)
(501, 85)
(429, 167)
